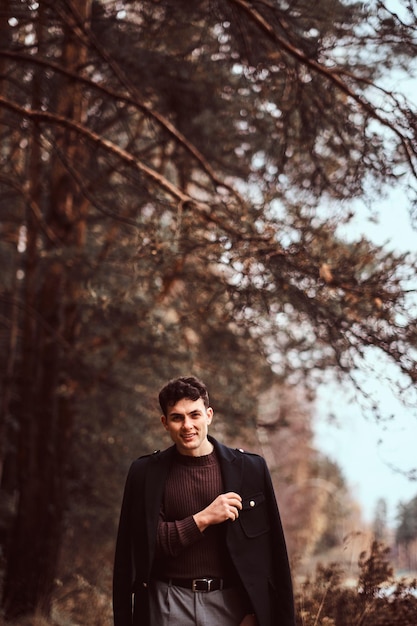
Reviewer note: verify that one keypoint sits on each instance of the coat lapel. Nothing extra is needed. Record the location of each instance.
(231, 464)
(156, 475)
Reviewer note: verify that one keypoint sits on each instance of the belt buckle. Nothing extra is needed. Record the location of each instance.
(205, 581)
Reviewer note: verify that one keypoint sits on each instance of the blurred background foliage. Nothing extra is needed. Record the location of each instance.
(174, 179)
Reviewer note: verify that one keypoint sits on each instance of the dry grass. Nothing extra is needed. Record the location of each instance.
(376, 598)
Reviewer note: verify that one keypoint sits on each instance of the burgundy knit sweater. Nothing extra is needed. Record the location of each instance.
(183, 551)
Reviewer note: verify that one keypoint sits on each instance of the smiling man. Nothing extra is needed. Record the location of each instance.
(200, 540)
(187, 422)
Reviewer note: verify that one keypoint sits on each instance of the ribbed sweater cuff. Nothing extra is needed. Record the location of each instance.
(188, 531)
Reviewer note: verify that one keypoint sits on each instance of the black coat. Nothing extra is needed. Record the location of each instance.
(255, 540)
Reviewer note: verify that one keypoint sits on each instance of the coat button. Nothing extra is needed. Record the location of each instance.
(252, 503)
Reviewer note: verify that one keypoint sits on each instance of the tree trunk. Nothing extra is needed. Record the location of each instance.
(9, 285)
(48, 334)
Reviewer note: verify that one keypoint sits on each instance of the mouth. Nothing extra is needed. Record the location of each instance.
(188, 437)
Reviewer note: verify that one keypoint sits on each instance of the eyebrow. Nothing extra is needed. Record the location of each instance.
(194, 412)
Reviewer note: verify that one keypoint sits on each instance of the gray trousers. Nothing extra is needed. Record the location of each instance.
(176, 606)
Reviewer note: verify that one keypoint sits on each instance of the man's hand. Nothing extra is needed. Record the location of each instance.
(225, 506)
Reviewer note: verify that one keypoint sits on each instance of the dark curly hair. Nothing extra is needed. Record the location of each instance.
(183, 387)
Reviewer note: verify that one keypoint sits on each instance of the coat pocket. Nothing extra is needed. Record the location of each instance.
(253, 517)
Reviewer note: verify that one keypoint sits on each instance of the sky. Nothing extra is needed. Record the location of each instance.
(366, 450)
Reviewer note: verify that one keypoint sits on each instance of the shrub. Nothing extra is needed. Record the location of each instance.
(377, 600)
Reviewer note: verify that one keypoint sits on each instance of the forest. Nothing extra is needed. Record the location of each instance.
(179, 185)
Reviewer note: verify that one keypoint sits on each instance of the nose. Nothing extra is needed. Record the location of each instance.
(187, 423)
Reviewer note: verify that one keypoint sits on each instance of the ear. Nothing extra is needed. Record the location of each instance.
(210, 414)
(164, 422)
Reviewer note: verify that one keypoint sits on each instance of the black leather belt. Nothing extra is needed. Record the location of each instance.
(199, 584)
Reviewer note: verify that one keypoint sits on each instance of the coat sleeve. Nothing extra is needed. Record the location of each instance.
(123, 573)
(257, 545)
(283, 596)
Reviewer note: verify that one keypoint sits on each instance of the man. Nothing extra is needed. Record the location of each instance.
(200, 541)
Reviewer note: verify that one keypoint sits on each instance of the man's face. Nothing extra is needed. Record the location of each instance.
(187, 423)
